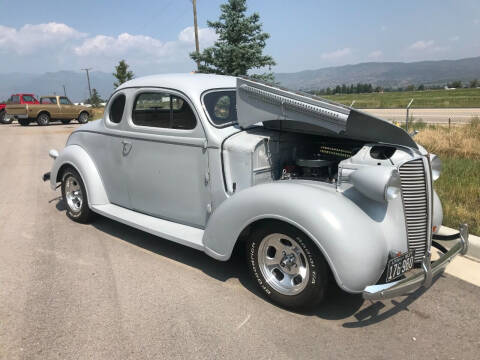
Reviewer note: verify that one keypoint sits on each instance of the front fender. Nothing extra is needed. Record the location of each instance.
(77, 157)
(351, 241)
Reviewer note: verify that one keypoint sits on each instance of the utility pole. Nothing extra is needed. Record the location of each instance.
(197, 46)
(88, 79)
(64, 91)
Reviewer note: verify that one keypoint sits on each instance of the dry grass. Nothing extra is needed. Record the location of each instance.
(459, 184)
(97, 112)
(459, 141)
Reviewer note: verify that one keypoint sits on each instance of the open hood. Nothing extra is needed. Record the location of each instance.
(288, 110)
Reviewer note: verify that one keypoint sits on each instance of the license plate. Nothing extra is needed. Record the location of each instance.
(399, 265)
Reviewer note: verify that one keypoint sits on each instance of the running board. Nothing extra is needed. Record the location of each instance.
(182, 234)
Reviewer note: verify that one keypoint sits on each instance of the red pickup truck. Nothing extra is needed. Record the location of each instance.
(15, 99)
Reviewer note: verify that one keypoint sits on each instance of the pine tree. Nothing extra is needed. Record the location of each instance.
(95, 99)
(122, 73)
(240, 44)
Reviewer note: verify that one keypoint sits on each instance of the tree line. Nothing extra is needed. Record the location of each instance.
(361, 88)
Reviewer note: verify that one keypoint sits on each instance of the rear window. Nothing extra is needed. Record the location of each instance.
(48, 100)
(116, 110)
(15, 99)
(221, 107)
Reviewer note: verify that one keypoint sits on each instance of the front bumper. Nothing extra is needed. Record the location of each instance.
(429, 270)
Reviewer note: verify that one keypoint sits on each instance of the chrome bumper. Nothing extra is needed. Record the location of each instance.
(19, 116)
(424, 278)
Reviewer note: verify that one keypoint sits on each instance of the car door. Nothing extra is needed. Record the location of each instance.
(167, 159)
(67, 109)
(107, 148)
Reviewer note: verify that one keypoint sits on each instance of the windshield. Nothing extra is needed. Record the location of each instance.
(221, 107)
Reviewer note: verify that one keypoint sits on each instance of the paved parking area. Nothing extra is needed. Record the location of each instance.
(107, 291)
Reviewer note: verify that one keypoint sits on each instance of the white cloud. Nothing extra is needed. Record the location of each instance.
(454, 38)
(376, 54)
(142, 48)
(337, 54)
(56, 45)
(383, 28)
(422, 45)
(31, 38)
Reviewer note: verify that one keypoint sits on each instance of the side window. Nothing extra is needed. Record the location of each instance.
(15, 99)
(116, 109)
(64, 101)
(27, 98)
(162, 110)
(221, 107)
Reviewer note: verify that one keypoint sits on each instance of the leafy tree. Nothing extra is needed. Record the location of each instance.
(95, 99)
(455, 84)
(240, 44)
(421, 87)
(122, 73)
(474, 83)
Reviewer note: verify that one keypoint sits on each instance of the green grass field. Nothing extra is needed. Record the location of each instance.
(459, 98)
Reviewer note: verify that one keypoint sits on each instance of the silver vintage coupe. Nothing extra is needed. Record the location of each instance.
(311, 188)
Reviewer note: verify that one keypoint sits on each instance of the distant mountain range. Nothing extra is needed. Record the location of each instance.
(385, 74)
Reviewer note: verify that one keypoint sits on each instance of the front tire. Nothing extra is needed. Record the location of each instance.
(74, 196)
(43, 119)
(287, 266)
(83, 117)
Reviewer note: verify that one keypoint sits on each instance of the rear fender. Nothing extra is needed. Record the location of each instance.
(351, 241)
(78, 158)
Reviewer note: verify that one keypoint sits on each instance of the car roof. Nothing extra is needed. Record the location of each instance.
(188, 83)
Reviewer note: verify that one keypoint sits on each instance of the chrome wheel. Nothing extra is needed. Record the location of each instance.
(43, 119)
(283, 264)
(83, 118)
(73, 194)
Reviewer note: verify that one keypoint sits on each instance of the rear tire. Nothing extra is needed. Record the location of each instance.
(83, 117)
(75, 197)
(43, 119)
(4, 119)
(24, 122)
(287, 266)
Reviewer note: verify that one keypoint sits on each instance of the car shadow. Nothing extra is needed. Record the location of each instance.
(373, 313)
(337, 305)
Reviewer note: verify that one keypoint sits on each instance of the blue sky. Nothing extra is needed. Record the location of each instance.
(156, 36)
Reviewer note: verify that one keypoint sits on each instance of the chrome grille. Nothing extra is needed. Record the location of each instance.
(415, 204)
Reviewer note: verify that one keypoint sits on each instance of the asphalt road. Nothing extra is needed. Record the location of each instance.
(107, 291)
(434, 116)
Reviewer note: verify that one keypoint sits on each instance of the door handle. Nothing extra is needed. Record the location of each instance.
(127, 146)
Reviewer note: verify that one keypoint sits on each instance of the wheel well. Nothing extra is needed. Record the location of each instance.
(242, 238)
(62, 170)
(43, 112)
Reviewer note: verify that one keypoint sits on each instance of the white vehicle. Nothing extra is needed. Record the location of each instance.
(311, 188)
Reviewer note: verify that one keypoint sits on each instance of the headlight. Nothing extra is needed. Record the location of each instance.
(436, 165)
(394, 186)
(379, 183)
